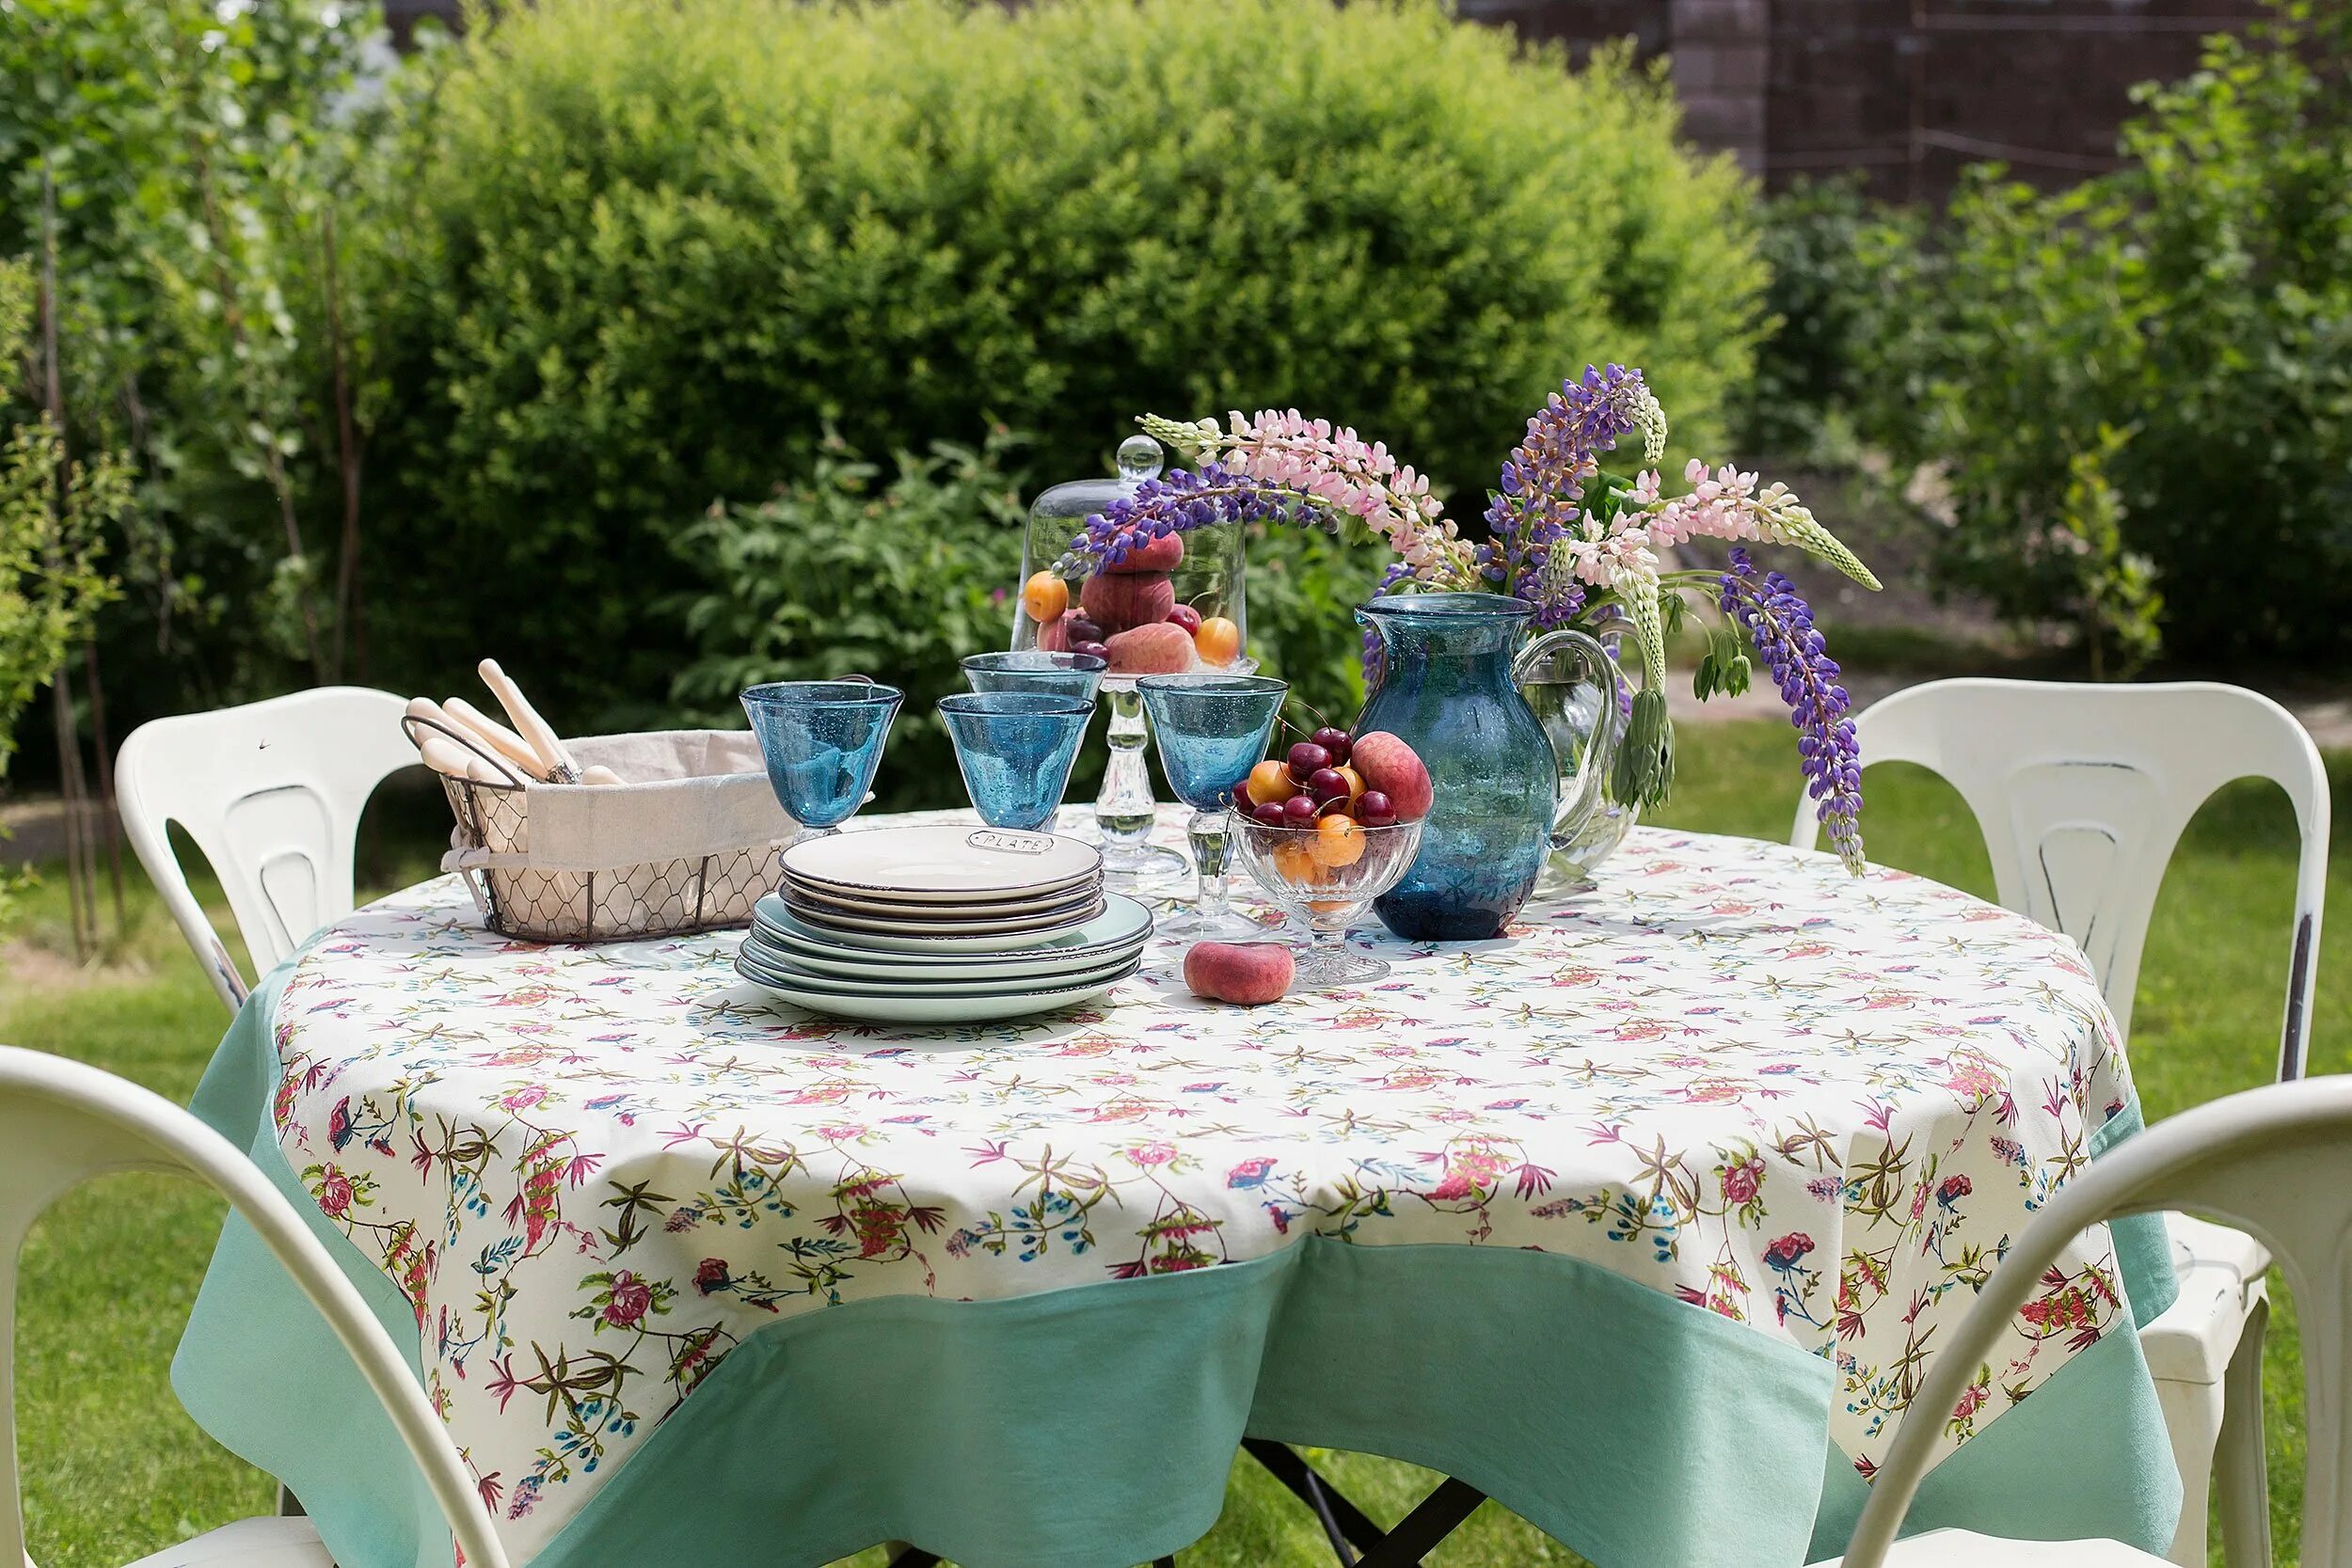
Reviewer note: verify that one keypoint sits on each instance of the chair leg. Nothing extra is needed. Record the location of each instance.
(2241, 1463)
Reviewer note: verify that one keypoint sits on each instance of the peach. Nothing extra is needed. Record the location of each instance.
(1119, 601)
(1053, 636)
(1248, 973)
(1394, 770)
(1160, 555)
(1159, 649)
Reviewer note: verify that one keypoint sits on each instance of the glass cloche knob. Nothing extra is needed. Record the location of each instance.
(1139, 459)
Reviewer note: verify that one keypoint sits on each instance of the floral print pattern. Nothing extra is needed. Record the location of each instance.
(1817, 1106)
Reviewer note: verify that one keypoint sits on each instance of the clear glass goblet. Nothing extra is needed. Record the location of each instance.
(1052, 674)
(1324, 877)
(1212, 730)
(821, 741)
(1015, 749)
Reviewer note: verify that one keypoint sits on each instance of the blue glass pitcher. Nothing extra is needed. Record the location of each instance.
(1504, 800)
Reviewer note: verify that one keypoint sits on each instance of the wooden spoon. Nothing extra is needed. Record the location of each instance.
(560, 766)
(514, 748)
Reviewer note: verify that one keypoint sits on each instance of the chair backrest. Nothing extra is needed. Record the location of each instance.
(272, 793)
(2275, 1162)
(2082, 791)
(62, 1123)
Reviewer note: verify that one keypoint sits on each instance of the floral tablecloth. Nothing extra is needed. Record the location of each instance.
(1812, 1108)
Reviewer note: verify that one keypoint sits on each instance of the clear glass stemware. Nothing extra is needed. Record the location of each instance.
(1212, 730)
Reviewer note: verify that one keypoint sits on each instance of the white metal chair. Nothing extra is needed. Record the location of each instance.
(2275, 1162)
(272, 793)
(62, 1123)
(2082, 792)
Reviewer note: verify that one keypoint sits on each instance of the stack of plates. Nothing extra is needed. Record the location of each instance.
(941, 924)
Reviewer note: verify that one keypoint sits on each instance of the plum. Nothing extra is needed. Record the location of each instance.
(1158, 649)
(1247, 973)
(1394, 770)
(1120, 602)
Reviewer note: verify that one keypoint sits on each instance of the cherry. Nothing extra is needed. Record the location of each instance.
(1097, 649)
(1270, 814)
(1083, 629)
(1375, 810)
(1185, 616)
(1298, 811)
(1306, 759)
(1334, 741)
(1335, 806)
(1325, 782)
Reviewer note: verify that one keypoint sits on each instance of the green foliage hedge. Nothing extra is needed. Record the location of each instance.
(647, 254)
(2133, 399)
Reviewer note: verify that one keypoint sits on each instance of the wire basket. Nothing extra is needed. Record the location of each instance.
(690, 847)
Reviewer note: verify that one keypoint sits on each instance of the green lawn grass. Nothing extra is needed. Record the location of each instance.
(114, 1469)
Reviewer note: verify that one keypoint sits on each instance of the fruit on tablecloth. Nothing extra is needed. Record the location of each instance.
(1339, 841)
(1159, 649)
(1219, 640)
(1044, 596)
(1270, 782)
(1250, 973)
(1185, 616)
(1393, 768)
(1119, 601)
(1162, 554)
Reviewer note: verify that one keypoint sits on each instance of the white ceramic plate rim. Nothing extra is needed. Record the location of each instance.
(966, 1008)
(754, 962)
(819, 888)
(939, 846)
(972, 967)
(824, 906)
(1078, 913)
(1134, 921)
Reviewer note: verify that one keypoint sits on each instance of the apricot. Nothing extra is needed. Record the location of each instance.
(1219, 640)
(1339, 841)
(1355, 782)
(1270, 784)
(1248, 973)
(1393, 768)
(1159, 649)
(1295, 863)
(1120, 602)
(1044, 596)
(1160, 555)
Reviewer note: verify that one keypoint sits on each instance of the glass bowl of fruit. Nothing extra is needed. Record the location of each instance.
(1323, 844)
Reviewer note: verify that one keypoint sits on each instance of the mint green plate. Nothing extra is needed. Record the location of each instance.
(955, 1007)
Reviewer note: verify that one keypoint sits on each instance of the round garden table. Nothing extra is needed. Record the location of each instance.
(1645, 1221)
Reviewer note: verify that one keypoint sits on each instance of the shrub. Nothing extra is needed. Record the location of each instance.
(649, 254)
(2189, 321)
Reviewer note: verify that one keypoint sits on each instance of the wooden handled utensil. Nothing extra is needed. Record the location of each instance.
(497, 737)
(561, 768)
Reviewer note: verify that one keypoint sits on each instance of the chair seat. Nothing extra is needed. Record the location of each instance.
(1965, 1548)
(291, 1543)
(2218, 1270)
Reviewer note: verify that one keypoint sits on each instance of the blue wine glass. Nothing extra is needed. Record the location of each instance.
(1212, 730)
(1077, 675)
(821, 741)
(1015, 749)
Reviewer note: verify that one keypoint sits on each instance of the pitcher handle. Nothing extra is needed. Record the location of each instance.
(1573, 806)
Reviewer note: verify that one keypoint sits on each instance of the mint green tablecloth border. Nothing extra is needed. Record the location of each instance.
(1082, 1429)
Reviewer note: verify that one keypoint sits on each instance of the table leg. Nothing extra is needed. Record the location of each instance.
(1350, 1530)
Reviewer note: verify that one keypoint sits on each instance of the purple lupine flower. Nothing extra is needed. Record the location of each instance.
(1179, 501)
(1543, 482)
(1781, 625)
